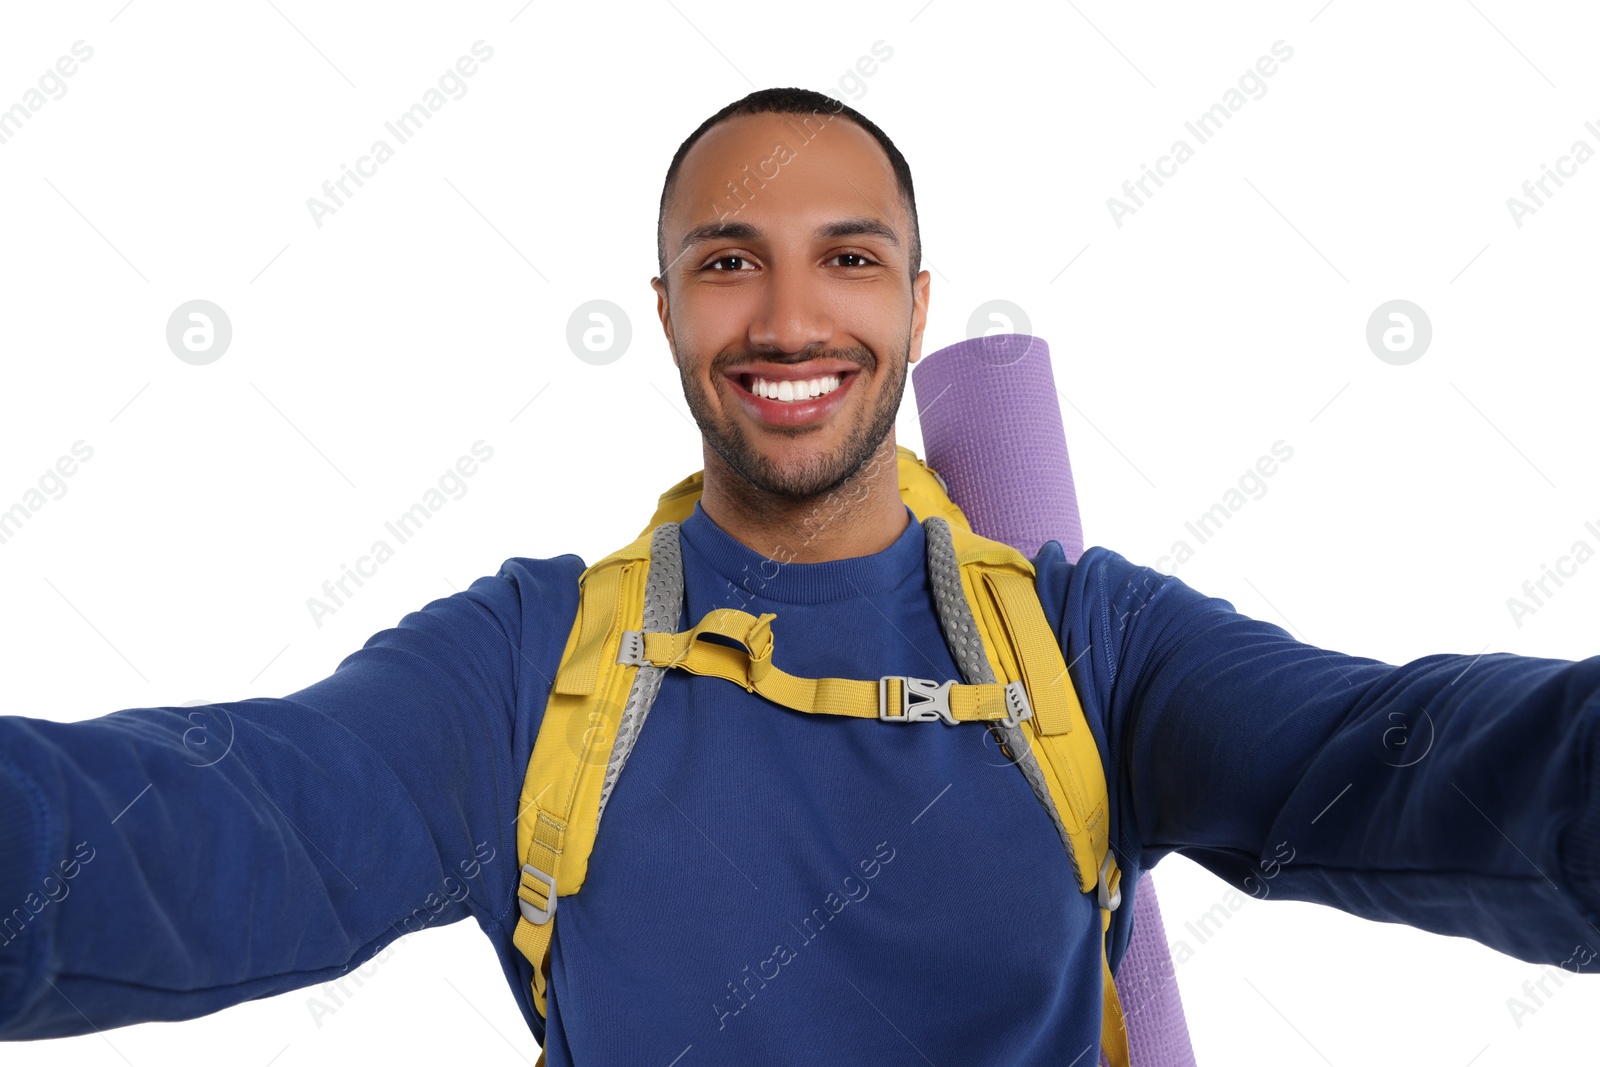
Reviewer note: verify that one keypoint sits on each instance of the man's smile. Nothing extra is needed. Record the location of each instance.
(793, 394)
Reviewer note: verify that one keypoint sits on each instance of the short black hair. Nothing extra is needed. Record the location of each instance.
(792, 101)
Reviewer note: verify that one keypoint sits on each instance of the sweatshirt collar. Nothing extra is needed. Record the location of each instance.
(772, 577)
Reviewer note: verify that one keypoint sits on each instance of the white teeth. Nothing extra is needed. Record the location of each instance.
(789, 391)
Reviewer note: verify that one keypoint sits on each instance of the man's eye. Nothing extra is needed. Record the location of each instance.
(725, 259)
(853, 255)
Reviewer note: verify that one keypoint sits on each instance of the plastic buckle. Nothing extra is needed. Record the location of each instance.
(932, 700)
(631, 650)
(1017, 706)
(1109, 901)
(532, 912)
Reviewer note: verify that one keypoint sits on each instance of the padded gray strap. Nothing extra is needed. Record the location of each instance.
(966, 647)
(663, 603)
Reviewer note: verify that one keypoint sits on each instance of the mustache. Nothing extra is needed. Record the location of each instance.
(861, 357)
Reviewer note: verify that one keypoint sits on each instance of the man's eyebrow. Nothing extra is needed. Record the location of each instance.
(719, 231)
(862, 226)
(859, 227)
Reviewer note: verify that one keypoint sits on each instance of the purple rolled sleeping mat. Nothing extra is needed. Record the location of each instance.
(991, 427)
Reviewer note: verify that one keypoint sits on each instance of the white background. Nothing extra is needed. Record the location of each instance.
(430, 312)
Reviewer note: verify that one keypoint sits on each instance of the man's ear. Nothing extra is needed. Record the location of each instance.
(665, 316)
(919, 312)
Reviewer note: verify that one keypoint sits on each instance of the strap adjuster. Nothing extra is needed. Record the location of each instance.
(530, 911)
(932, 700)
(631, 651)
(1017, 706)
(1110, 898)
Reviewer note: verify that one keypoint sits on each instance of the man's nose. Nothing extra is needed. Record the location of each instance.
(792, 317)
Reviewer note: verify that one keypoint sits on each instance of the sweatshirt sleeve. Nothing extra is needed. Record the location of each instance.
(164, 863)
(1455, 793)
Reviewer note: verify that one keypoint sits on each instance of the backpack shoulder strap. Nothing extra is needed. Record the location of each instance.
(1011, 633)
(996, 629)
(558, 812)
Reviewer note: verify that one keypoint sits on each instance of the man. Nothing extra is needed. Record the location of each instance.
(770, 886)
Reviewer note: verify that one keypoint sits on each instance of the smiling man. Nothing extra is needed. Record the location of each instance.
(770, 885)
(792, 319)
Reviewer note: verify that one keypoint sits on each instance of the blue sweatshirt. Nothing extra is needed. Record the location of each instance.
(773, 886)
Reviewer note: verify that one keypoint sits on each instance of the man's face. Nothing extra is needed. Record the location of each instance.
(798, 284)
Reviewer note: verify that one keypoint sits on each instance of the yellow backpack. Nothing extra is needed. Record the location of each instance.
(624, 638)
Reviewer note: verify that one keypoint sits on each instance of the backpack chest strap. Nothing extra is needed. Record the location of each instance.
(891, 698)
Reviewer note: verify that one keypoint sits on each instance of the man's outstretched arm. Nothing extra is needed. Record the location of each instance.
(1454, 793)
(163, 863)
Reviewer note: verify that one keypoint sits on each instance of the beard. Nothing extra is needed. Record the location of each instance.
(822, 472)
